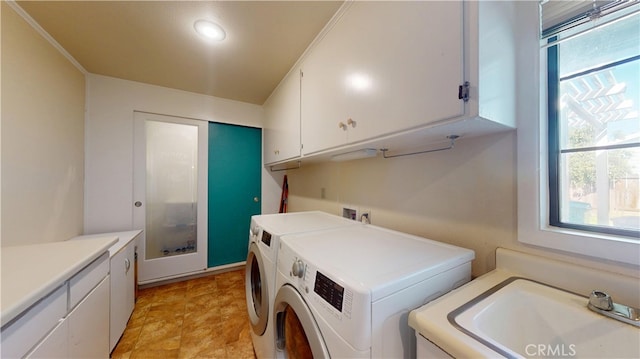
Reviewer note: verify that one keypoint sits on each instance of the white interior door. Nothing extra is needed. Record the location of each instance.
(170, 195)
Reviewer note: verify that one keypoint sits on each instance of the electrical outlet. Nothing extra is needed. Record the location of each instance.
(365, 216)
(351, 213)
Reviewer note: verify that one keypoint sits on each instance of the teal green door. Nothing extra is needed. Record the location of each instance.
(235, 154)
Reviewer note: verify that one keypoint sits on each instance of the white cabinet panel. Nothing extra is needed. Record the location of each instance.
(282, 120)
(55, 345)
(52, 328)
(87, 279)
(428, 350)
(33, 325)
(89, 325)
(70, 274)
(382, 68)
(122, 292)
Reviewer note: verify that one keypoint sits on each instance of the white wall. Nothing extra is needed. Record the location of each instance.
(465, 196)
(42, 137)
(111, 103)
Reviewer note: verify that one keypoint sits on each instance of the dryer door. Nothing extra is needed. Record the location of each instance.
(297, 333)
(256, 290)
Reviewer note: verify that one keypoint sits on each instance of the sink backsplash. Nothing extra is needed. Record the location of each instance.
(571, 277)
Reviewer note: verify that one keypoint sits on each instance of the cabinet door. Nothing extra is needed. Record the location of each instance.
(323, 97)
(89, 324)
(122, 292)
(54, 345)
(387, 66)
(282, 121)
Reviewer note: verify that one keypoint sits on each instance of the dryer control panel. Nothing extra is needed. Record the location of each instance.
(342, 305)
(329, 290)
(266, 238)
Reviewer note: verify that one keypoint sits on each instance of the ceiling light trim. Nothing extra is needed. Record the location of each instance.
(209, 30)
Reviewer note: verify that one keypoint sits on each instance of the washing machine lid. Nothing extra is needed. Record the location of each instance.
(297, 222)
(376, 259)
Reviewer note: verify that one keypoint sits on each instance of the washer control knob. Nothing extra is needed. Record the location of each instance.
(297, 269)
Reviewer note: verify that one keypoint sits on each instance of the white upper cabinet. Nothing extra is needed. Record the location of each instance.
(388, 74)
(384, 67)
(282, 120)
(491, 38)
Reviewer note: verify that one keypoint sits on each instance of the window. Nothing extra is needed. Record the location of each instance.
(535, 197)
(593, 89)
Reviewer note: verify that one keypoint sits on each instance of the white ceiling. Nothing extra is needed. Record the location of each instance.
(154, 41)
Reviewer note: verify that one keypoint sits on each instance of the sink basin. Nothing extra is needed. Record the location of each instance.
(524, 318)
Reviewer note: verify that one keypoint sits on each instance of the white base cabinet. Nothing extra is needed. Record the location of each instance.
(27, 330)
(89, 325)
(83, 333)
(53, 345)
(122, 279)
(122, 292)
(70, 322)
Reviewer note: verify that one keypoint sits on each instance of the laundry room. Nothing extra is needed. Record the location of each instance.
(364, 179)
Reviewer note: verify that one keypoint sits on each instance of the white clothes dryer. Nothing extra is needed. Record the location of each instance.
(347, 293)
(260, 270)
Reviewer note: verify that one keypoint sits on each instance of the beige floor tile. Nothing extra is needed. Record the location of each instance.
(199, 318)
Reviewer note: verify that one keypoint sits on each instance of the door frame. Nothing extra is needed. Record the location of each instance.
(162, 268)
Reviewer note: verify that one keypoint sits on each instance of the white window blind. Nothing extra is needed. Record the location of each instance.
(559, 15)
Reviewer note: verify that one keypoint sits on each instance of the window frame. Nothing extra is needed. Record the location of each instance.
(532, 167)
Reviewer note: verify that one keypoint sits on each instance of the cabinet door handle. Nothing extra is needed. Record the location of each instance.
(342, 126)
(351, 123)
(127, 265)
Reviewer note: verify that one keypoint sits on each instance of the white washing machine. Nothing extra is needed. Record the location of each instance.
(260, 272)
(347, 293)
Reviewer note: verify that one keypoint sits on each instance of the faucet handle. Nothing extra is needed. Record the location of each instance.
(601, 300)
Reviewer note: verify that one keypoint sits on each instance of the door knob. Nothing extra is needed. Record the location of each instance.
(256, 199)
(138, 204)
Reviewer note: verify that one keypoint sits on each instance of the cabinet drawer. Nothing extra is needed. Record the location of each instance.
(82, 283)
(24, 333)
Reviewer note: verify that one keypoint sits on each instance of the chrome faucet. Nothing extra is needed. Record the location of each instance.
(601, 302)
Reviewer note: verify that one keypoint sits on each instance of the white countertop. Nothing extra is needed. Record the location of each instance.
(30, 272)
(123, 239)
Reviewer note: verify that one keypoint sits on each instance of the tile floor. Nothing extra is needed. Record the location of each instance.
(199, 318)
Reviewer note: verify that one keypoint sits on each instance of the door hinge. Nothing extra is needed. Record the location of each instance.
(463, 91)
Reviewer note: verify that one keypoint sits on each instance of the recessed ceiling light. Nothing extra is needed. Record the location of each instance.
(210, 30)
